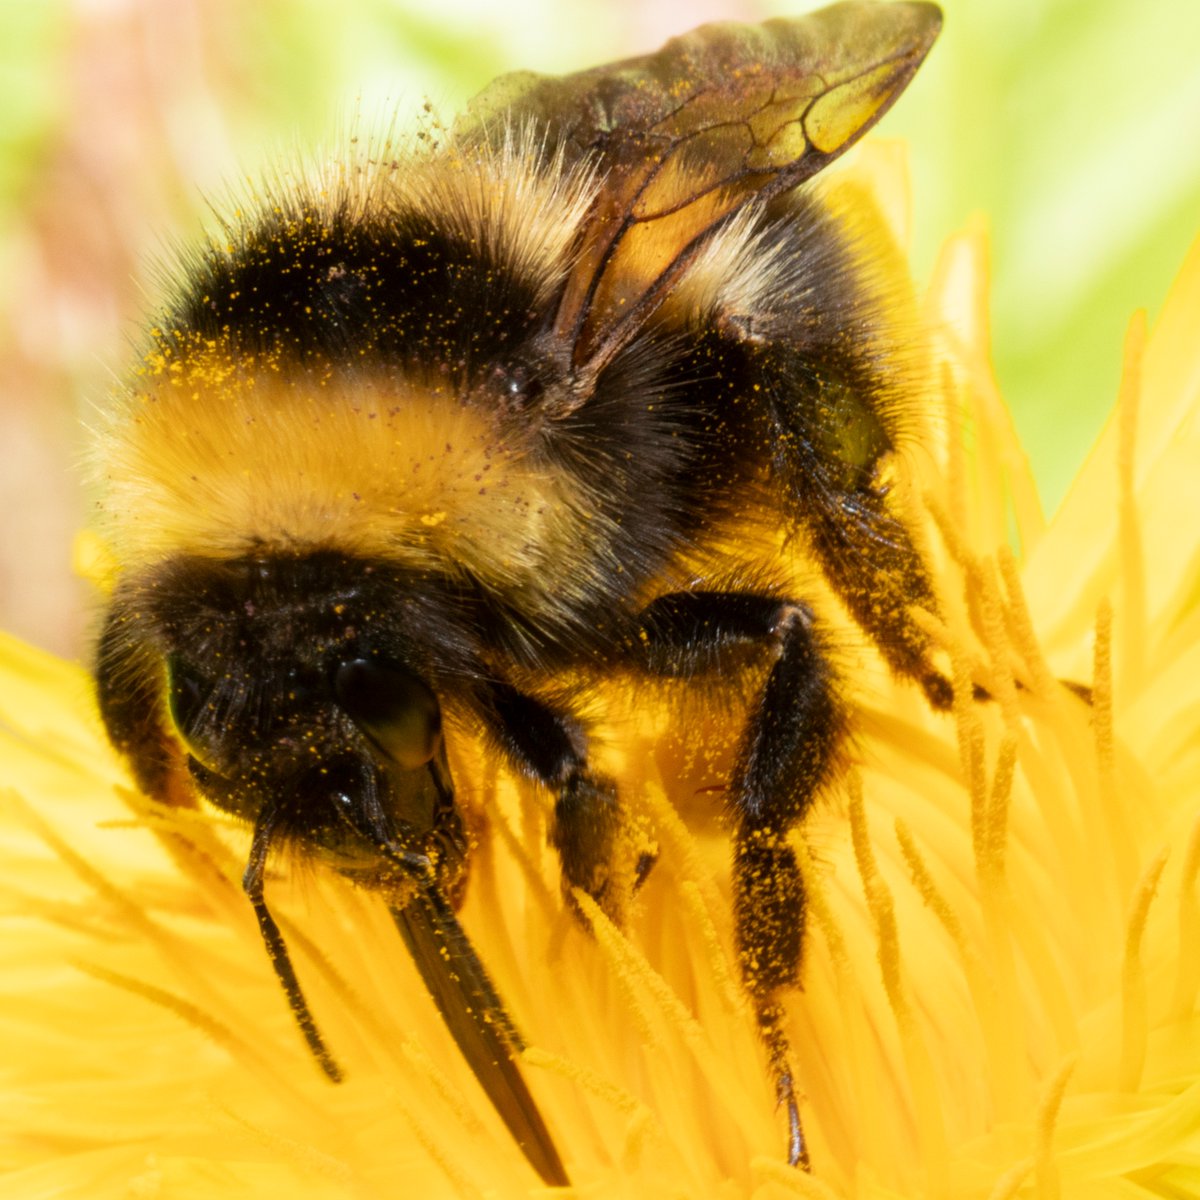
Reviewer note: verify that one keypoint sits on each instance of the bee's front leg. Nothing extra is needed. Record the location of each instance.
(551, 747)
(788, 752)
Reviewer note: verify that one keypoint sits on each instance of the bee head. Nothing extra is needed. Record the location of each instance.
(288, 686)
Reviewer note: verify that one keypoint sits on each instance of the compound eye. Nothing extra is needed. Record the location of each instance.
(190, 702)
(395, 708)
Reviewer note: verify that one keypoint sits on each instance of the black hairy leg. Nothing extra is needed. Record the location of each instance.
(129, 694)
(863, 546)
(868, 555)
(788, 752)
(832, 438)
(551, 747)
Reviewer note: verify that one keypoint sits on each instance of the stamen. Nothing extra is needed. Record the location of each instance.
(1025, 639)
(969, 729)
(982, 584)
(416, 1061)
(644, 1133)
(948, 528)
(816, 896)
(1045, 1168)
(293, 1149)
(990, 827)
(929, 892)
(1187, 979)
(1122, 844)
(657, 1010)
(126, 912)
(1134, 1023)
(1102, 699)
(732, 998)
(448, 1158)
(640, 982)
(1001, 1037)
(245, 1052)
(926, 1103)
(679, 844)
(519, 847)
(867, 1102)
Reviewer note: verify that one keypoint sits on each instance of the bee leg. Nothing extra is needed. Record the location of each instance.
(551, 747)
(789, 751)
(770, 1026)
(129, 695)
(769, 915)
(587, 820)
(252, 884)
(867, 553)
(834, 445)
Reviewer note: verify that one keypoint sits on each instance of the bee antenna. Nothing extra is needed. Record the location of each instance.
(252, 884)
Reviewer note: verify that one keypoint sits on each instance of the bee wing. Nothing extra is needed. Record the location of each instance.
(684, 138)
(478, 1021)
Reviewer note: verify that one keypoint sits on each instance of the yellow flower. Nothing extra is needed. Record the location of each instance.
(1001, 979)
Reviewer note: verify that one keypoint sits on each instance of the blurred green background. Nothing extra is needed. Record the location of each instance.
(1072, 124)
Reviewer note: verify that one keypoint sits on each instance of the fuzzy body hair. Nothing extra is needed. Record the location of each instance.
(429, 440)
(271, 415)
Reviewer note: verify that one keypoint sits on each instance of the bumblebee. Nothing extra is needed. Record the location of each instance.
(428, 433)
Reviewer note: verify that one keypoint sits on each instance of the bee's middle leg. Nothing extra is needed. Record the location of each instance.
(788, 752)
(551, 747)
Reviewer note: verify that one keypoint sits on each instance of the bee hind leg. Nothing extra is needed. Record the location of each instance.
(789, 751)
